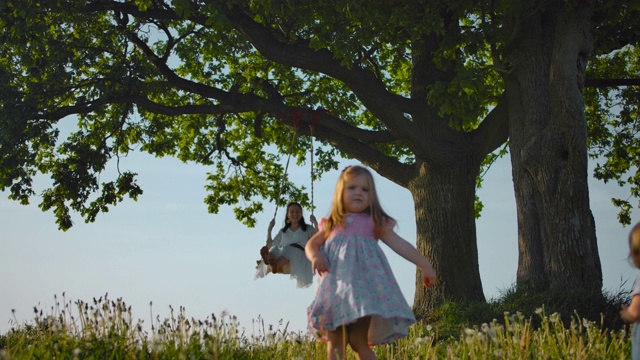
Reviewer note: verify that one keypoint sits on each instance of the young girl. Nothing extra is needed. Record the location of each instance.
(631, 313)
(358, 300)
(285, 253)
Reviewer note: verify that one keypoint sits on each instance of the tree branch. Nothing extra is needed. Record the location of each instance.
(494, 129)
(605, 83)
(371, 92)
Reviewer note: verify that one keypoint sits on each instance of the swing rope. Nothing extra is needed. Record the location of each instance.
(311, 169)
(286, 168)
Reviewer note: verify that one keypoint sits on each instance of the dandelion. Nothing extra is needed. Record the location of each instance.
(485, 327)
(539, 311)
(469, 332)
(429, 327)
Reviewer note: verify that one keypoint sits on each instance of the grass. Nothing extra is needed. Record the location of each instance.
(105, 329)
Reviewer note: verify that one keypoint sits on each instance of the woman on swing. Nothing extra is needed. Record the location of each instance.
(285, 253)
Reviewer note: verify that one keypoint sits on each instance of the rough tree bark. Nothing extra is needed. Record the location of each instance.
(446, 231)
(548, 132)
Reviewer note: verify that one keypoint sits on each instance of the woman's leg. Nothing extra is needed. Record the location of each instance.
(283, 265)
(337, 342)
(358, 339)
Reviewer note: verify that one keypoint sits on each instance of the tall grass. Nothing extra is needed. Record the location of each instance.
(105, 329)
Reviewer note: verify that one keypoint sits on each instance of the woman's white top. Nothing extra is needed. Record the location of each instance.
(298, 236)
(299, 265)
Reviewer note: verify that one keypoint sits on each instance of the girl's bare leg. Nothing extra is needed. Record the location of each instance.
(358, 339)
(337, 343)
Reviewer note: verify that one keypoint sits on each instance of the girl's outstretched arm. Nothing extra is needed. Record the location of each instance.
(403, 248)
(631, 313)
(312, 250)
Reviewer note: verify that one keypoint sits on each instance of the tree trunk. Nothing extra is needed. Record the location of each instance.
(446, 231)
(548, 133)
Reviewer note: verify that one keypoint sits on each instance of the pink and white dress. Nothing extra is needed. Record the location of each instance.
(359, 283)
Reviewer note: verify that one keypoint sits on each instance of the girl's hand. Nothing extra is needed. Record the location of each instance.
(313, 220)
(623, 312)
(272, 223)
(428, 276)
(320, 265)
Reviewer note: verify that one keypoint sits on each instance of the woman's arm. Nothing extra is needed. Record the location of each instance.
(272, 223)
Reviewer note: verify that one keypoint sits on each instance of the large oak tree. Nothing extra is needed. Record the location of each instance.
(424, 93)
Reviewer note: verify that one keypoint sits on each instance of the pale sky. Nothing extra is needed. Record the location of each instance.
(168, 250)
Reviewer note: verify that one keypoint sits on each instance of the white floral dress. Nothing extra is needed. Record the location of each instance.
(359, 283)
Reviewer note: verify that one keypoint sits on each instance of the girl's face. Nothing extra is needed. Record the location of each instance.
(294, 214)
(355, 195)
(635, 260)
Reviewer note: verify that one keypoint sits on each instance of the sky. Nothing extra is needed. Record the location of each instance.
(166, 249)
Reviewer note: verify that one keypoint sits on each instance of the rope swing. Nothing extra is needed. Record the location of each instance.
(297, 116)
(286, 169)
(262, 267)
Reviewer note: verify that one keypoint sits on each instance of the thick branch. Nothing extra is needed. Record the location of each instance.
(386, 166)
(494, 129)
(362, 82)
(605, 83)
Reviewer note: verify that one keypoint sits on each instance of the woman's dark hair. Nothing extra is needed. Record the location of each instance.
(303, 225)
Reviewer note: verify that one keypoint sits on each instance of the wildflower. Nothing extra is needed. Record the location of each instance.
(156, 343)
(485, 327)
(539, 311)
(469, 332)
(418, 341)
(429, 327)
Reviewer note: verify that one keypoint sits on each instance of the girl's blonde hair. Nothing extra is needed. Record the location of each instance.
(338, 211)
(634, 243)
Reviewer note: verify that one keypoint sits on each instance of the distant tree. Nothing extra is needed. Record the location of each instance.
(424, 93)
